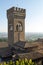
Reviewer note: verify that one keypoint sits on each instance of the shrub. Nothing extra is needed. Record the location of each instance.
(19, 62)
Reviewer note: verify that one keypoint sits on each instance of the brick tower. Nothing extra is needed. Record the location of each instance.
(16, 24)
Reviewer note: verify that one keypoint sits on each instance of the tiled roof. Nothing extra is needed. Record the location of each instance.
(23, 44)
(4, 49)
(3, 44)
(31, 55)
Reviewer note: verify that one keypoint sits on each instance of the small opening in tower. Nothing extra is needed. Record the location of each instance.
(19, 27)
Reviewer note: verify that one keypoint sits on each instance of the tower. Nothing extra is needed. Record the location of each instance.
(16, 24)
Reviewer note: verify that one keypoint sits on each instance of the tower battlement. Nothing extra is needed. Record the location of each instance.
(16, 10)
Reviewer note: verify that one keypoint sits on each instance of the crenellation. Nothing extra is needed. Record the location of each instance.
(19, 10)
(15, 9)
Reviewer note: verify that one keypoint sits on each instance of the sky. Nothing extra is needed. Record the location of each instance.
(34, 14)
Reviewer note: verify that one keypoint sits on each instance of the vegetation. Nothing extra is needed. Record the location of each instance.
(3, 39)
(19, 62)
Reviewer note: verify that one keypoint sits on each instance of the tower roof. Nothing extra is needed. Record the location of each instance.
(16, 9)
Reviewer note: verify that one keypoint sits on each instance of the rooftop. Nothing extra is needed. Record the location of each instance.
(3, 44)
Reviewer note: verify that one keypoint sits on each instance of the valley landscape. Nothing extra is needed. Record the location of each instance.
(33, 36)
(28, 36)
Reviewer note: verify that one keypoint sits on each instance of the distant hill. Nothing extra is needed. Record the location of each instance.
(3, 35)
(28, 36)
(33, 36)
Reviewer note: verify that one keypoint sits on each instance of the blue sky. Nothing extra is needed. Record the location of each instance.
(34, 14)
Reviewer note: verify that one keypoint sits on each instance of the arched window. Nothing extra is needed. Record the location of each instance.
(19, 27)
